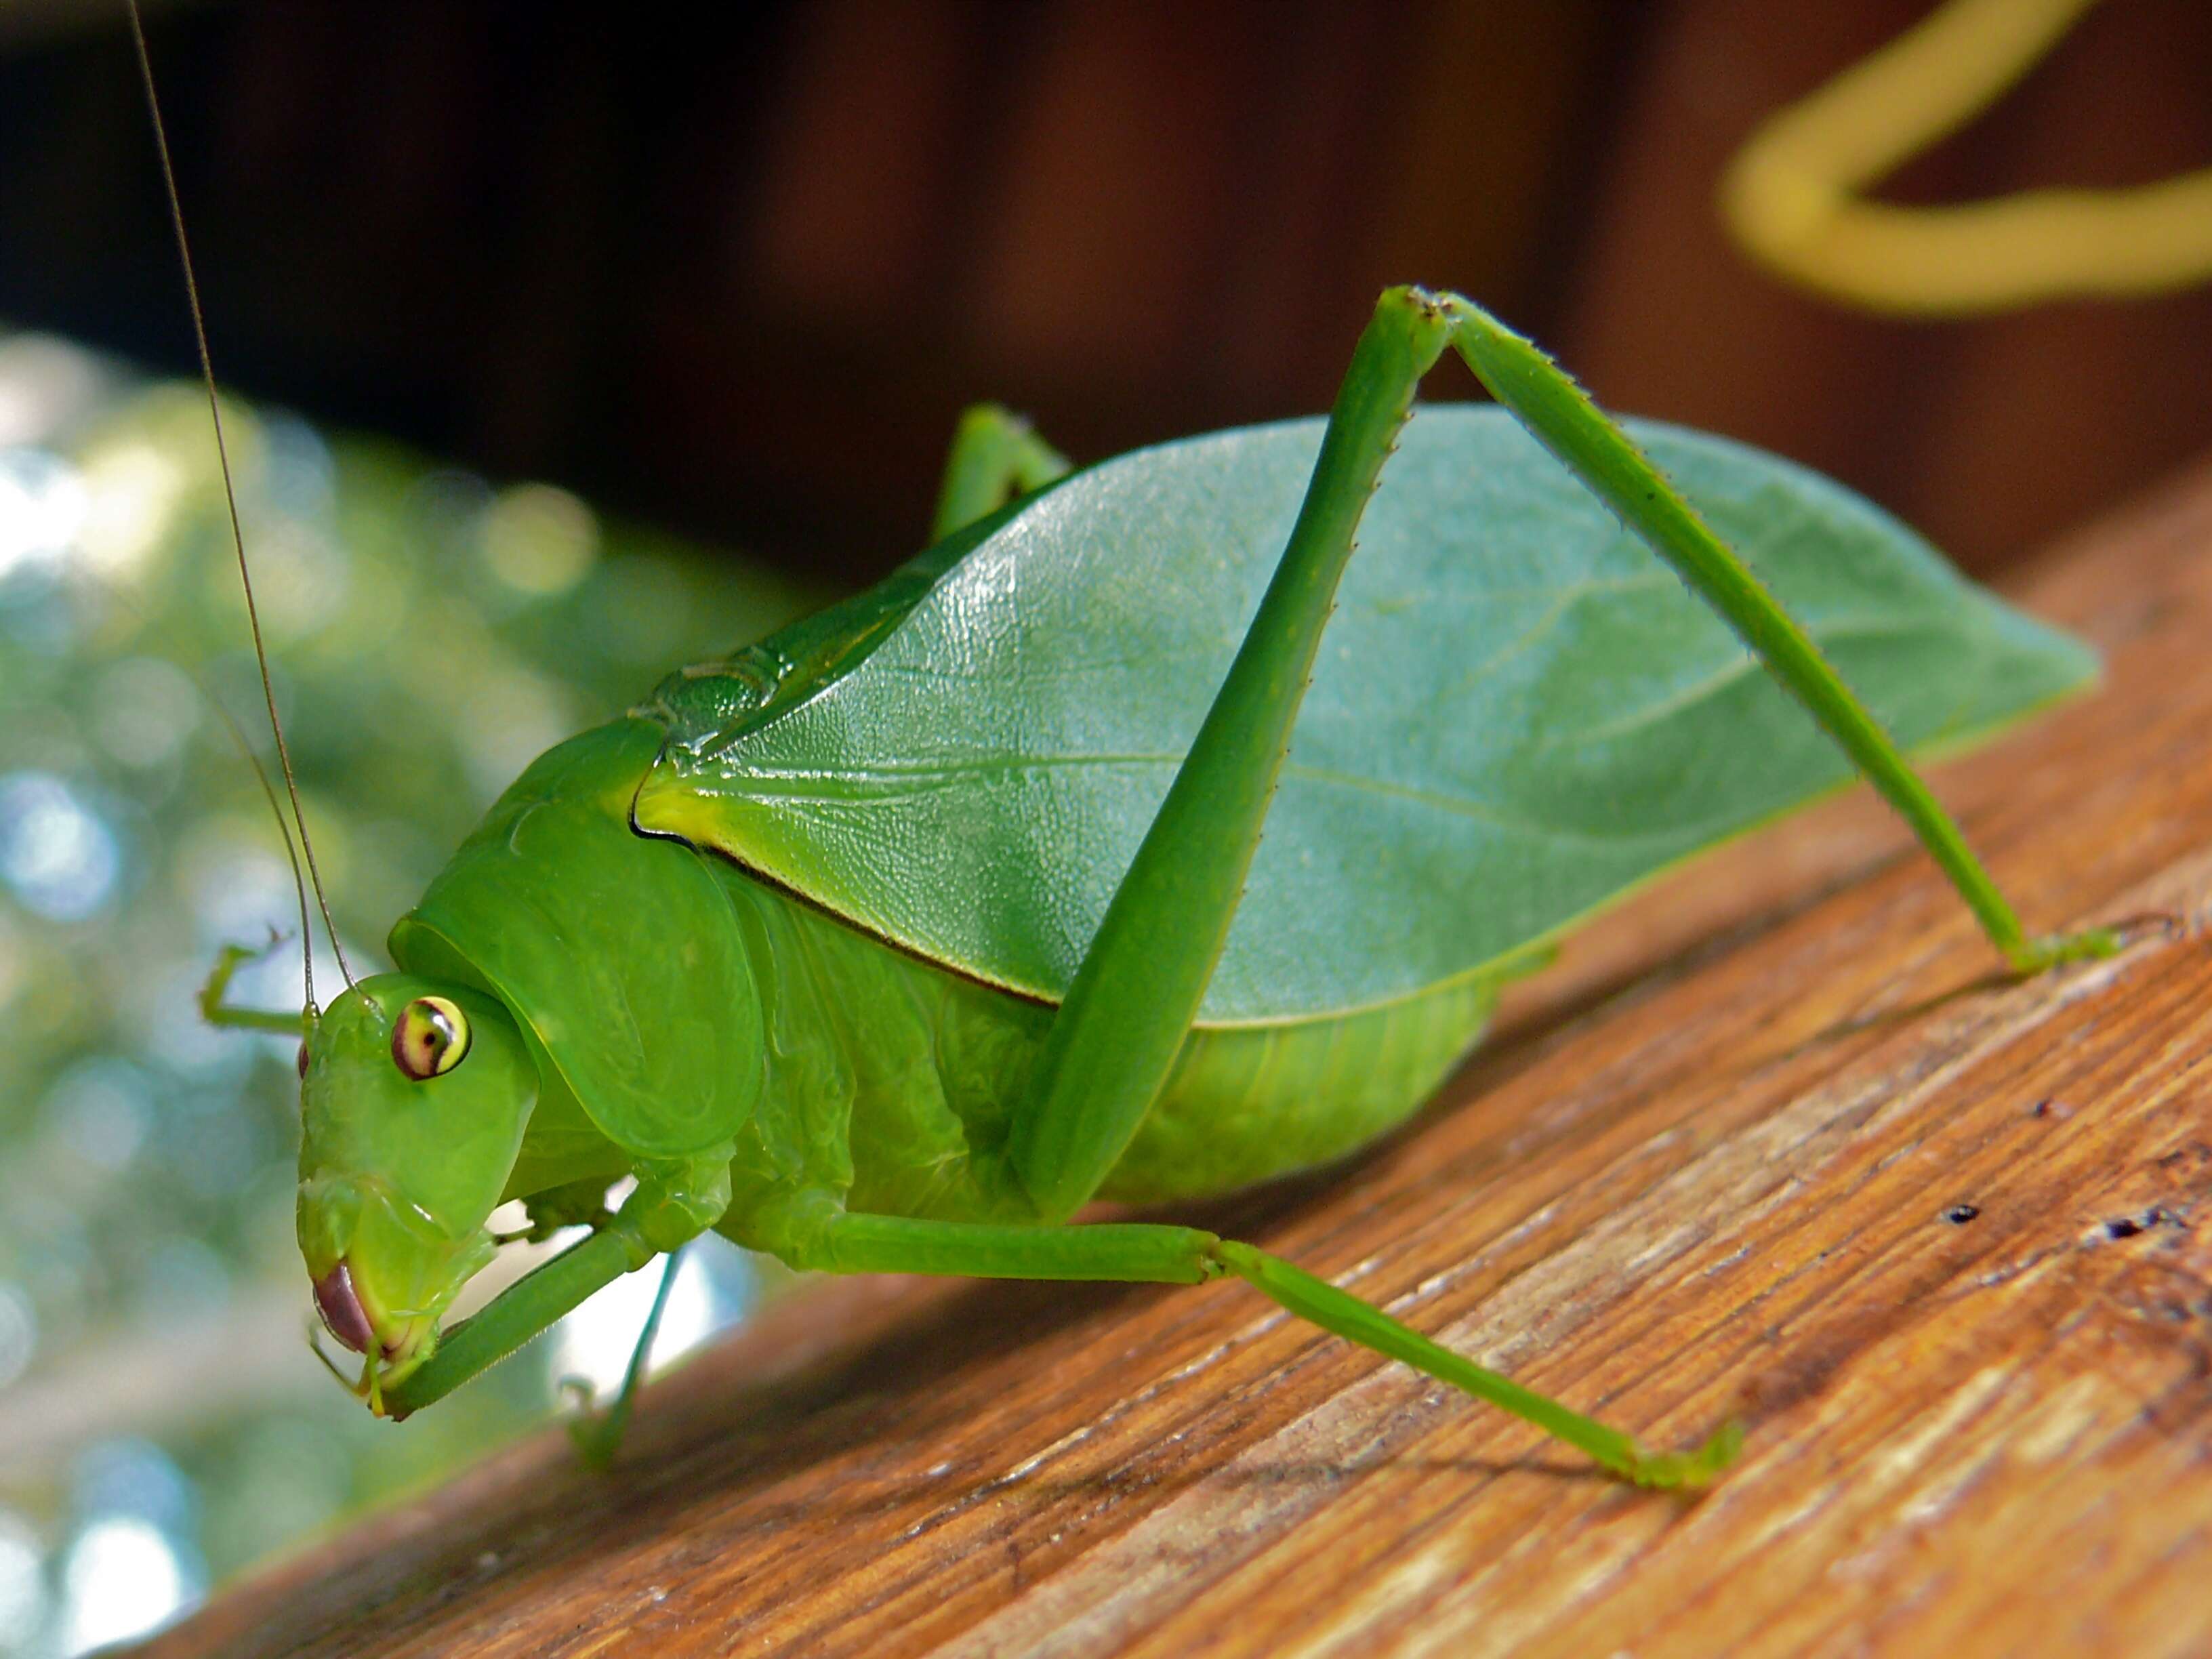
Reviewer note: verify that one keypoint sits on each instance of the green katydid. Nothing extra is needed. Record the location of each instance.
(891, 941)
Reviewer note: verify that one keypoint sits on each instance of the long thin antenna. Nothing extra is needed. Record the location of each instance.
(237, 529)
(237, 737)
(291, 851)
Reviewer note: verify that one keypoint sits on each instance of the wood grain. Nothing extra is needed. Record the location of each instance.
(1772, 1141)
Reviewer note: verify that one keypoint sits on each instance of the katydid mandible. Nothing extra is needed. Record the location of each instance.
(889, 942)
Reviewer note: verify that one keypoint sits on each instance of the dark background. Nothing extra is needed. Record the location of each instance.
(738, 275)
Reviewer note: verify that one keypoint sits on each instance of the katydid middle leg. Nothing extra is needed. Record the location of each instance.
(598, 1435)
(995, 457)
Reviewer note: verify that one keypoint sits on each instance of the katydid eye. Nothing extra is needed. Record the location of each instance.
(430, 1038)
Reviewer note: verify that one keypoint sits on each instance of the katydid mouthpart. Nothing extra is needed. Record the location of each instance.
(889, 942)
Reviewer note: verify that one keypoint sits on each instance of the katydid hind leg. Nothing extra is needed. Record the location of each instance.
(996, 456)
(830, 1239)
(1548, 401)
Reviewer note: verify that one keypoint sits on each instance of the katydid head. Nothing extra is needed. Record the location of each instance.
(414, 1095)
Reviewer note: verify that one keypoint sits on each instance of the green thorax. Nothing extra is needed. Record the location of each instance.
(619, 957)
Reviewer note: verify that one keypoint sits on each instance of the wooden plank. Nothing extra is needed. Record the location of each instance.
(1772, 1141)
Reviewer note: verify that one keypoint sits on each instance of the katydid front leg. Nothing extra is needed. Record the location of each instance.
(674, 1203)
(224, 1017)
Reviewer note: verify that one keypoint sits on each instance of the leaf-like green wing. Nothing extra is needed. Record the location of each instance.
(1518, 712)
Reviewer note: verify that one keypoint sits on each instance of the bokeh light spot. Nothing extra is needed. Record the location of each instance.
(123, 1579)
(19, 1333)
(143, 709)
(43, 508)
(22, 1583)
(56, 854)
(100, 1109)
(539, 539)
(46, 384)
(133, 491)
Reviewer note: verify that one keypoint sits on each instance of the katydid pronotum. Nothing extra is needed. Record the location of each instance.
(891, 941)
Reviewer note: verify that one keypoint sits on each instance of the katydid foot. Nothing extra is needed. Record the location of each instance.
(2033, 956)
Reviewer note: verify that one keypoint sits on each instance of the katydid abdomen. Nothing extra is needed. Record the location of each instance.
(901, 1078)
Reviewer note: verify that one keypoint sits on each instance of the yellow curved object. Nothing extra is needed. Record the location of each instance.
(1790, 197)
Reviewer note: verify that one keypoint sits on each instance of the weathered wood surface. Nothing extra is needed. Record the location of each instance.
(1771, 1141)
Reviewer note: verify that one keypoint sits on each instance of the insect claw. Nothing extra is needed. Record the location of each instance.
(589, 1430)
(1691, 1471)
(2093, 944)
(315, 1334)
